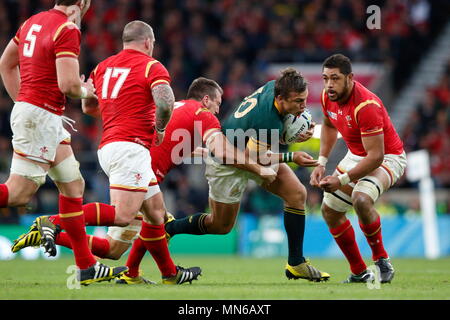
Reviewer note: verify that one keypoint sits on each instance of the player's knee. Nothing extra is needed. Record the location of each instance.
(361, 202)
(19, 200)
(296, 197)
(225, 228)
(114, 255)
(122, 220)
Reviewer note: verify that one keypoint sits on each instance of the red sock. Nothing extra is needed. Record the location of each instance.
(3, 196)
(135, 256)
(98, 246)
(373, 235)
(95, 214)
(72, 220)
(154, 239)
(344, 235)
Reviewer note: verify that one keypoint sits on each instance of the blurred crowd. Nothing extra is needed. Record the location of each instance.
(429, 128)
(232, 42)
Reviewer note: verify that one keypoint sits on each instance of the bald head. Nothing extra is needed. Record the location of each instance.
(137, 31)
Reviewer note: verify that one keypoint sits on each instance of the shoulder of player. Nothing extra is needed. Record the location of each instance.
(151, 65)
(64, 27)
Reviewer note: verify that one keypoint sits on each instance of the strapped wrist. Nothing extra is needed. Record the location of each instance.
(287, 157)
(344, 179)
(322, 161)
(84, 93)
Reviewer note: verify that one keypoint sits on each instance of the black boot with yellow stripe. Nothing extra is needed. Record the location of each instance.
(41, 233)
(306, 271)
(99, 272)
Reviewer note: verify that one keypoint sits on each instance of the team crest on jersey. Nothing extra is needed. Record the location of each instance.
(137, 177)
(43, 150)
(349, 120)
(332, 115)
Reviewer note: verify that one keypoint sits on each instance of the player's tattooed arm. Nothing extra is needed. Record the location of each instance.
(164, 100)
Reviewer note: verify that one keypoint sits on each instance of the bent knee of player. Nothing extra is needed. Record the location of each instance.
(362, 202)
(116, 249)
(296, 198)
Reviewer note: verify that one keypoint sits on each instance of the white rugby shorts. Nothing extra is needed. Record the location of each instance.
(37, 133)
(127, 165)
(227, 183)
(393, 166)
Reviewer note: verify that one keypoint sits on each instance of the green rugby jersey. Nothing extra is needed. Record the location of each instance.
(255, 118)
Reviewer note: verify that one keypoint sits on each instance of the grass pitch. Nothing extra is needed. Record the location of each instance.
(227, 278)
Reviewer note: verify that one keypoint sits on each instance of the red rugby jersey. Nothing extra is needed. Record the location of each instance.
(123, 84)
(362, 115)
(190, 124)
(42, 39)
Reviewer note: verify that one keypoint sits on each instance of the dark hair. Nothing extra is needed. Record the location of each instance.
(66, 2)
(289, 81)
(201, 87)
(339, 61)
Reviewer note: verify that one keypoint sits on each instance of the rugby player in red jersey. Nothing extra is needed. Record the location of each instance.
(374, 162)
(39, 67)
(193, 124)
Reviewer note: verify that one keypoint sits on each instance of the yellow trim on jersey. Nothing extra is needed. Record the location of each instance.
(61, 27)
(201, 110)
(255, 145)
(16, 38)
(70, 215)
(157, 82)
(277, 106)
(209, 132)
(152, 239)
(95, 70)
(362, 105)
(323, 97)
(372, 132)
(149, 65)
(66, 53)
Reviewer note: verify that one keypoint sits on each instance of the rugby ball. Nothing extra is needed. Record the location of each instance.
(293, 126)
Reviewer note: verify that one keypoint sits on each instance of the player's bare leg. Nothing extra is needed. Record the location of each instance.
(222, 218)
(127, 205)
(21, 187)
(288, 187)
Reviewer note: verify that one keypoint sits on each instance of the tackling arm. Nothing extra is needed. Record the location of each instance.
(9, 70)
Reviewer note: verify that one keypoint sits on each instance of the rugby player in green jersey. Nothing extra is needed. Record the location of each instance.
(256, 125)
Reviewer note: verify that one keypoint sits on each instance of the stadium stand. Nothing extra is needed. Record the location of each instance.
(233, 42)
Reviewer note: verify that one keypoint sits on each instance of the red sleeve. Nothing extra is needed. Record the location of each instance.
(16, 38)
(156, 74)
(67, 41)
(370, 120)
(205, 122)
(322, 101)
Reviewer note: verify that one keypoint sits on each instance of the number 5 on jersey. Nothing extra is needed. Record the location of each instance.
(121, 74)
(28, 48)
